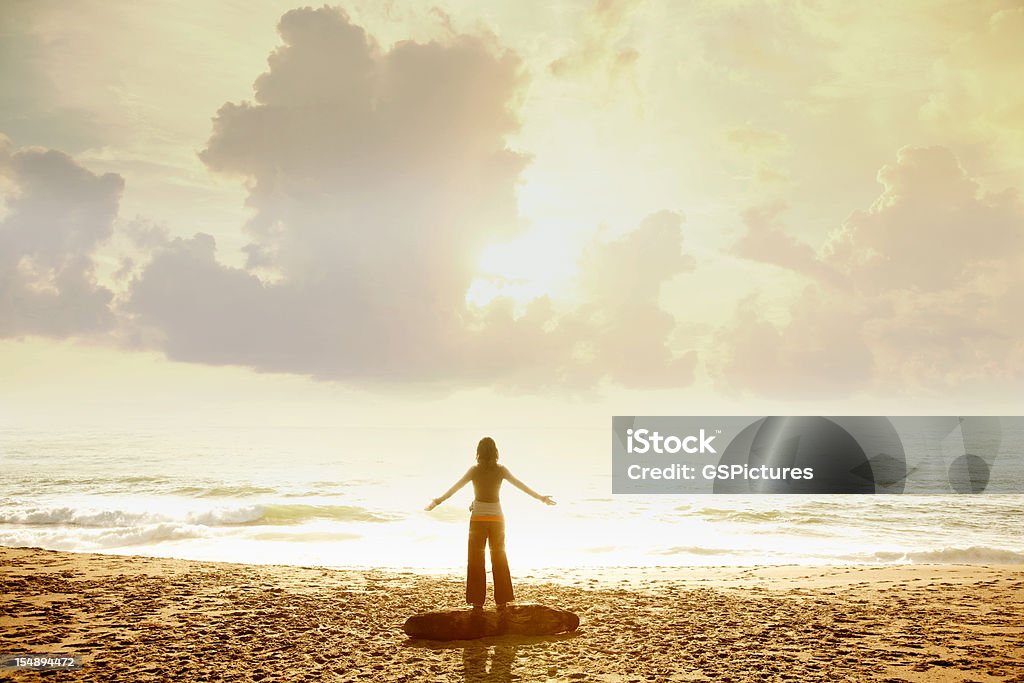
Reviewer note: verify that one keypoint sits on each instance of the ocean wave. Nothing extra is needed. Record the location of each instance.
(696, 550)
(237, 491)
(752, 516)
(971, 555)
(255, 514)
(77, 481)
(831, 515)
(305, 536)
(100, 539)
(296, 513)
(70, 516)
(134, 484)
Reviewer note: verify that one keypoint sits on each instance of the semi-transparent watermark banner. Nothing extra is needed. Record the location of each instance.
(810, 454)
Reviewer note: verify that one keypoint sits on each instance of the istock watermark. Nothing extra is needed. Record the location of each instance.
(814, 454)
(646, 441)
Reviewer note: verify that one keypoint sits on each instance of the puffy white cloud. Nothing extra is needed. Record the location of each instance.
(626, 329)
(56, 215)
(931, 228)
(918, 292)
(820, 351)
(376, 178)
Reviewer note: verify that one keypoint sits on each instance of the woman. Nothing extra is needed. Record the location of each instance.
(487, 524)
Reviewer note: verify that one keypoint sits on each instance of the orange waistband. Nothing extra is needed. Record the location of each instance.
(488, 518)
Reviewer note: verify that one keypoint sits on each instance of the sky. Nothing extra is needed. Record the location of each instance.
(511, 215)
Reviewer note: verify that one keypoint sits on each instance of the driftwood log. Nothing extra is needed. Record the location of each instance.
(466, 624)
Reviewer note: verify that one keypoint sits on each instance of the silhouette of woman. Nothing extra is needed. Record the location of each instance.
(487, 524)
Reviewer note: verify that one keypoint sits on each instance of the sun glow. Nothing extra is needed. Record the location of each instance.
(534, 266)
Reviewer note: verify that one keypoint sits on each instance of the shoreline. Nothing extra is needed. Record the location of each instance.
(610, 575)
(144, 618)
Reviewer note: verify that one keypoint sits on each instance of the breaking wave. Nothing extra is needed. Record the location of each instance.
(972, 555)
(253, 514)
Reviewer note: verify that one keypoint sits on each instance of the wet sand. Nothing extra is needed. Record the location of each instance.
(144, 619)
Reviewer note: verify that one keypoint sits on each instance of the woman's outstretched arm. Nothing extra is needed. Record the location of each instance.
(455, 487)
(524, 488)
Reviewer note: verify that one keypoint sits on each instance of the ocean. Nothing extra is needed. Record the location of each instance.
(283, 497)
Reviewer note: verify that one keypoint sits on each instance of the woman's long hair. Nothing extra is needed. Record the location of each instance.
(487, 452)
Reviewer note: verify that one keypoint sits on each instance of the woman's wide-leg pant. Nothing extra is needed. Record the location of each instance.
(481, 534)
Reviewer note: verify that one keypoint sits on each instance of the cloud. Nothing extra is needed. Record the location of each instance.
(55, 217)
(376, 177)
(918, 292)
(759, 150)
(765, 46)
(754, 141)
(601, 47)
(766, 241)
(622, 280)
(977, 95)
(31, 108)
(931, 228)
(818, 352)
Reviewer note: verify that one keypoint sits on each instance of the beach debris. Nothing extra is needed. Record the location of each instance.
(467, 624)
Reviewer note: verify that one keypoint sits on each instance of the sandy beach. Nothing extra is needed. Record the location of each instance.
(143, 619)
